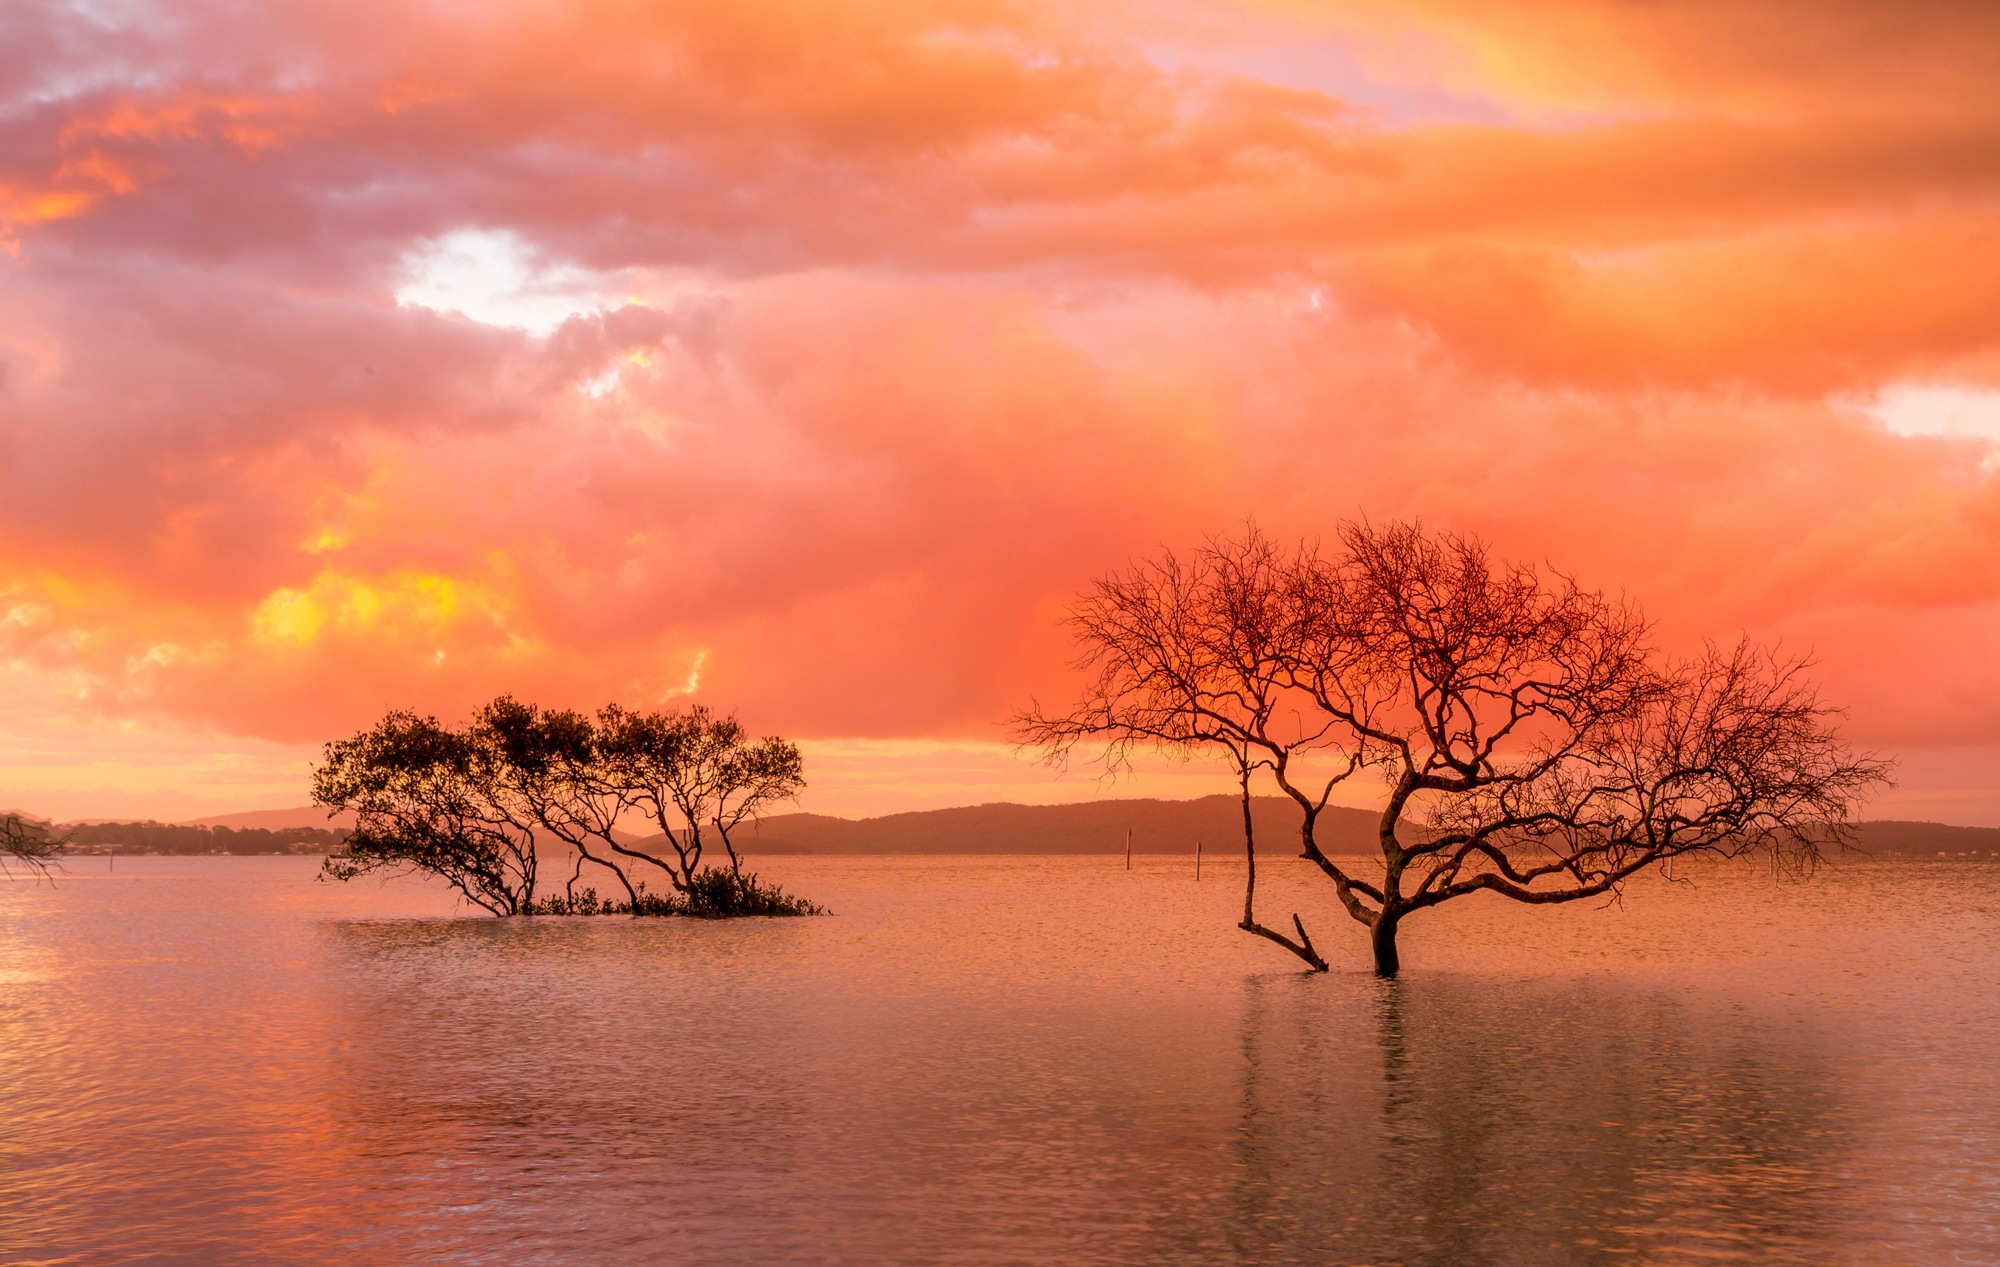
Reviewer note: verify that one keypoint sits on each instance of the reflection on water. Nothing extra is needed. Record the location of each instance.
(1508, 1123)
(994, 1061)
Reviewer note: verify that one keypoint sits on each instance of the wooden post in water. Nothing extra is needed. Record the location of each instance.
(1128, 848)
(1197, 861)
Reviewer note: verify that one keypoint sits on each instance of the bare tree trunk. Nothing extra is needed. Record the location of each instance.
(688, 849)
(735, 863)
(1382, 938)
(1303, 947)
(1250, 860)
(1382, 933)
(585, 855)
(631, 894)
(528, 863)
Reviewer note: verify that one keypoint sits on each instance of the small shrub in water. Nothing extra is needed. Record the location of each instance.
(652, 904)
(717, 893)
(585, 902)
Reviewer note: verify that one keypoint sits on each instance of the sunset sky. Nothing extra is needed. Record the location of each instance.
(805, 358)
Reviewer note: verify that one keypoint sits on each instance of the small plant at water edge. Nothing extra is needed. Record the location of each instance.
(721, 893)
(716, 893)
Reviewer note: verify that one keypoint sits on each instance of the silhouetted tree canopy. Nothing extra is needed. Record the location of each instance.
(468, 805)
(690, 771)
(427, 798)
(1533, 740)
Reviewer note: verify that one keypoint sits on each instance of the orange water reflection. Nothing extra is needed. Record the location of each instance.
(993, 1060)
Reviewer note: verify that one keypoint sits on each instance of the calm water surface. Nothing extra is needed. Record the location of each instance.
(997, 1061)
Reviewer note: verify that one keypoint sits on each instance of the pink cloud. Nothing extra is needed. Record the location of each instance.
(895, 326)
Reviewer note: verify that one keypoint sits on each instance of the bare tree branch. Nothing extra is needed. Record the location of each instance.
(1534, 741)
(33, 846)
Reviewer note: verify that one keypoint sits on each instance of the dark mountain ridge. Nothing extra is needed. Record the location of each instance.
(1085, 827)
(1080, 828)
(1173, 827)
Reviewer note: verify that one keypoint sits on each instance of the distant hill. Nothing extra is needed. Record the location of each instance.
(183, 838)
(1085, 827)
(1891, 839)
(1174, 826)
(277, 819)
(1099, 827)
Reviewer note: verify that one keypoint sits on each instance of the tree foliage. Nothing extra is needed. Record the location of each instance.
(427, 798)
(469, 805)
(1533, 740)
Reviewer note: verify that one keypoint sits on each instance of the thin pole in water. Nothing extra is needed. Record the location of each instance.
(1128, 848)
(1197, 862)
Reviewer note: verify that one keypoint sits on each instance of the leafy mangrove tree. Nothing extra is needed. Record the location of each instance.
(471, 806)
(1532, 739)
(428, 799)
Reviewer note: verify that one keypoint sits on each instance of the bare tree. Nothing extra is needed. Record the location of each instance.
(1185, 655)
(1534, 743)
(31, 844)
